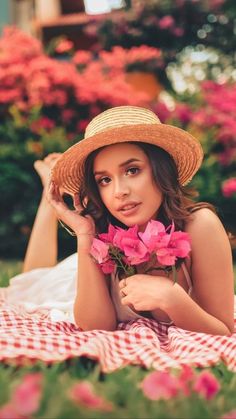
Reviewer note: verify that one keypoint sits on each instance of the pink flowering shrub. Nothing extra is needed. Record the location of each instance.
(67, 92)
(229, 187)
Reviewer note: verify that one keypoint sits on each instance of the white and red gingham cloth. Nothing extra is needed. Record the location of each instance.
(28, 337)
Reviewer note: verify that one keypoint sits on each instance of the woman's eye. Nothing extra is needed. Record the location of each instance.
(103, 181)
(133, 170)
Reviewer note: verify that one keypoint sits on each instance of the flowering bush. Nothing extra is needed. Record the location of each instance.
(68, 93)
(170, 26)
(45, 105)
(210, 116)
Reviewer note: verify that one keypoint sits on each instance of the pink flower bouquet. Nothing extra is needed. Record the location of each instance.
(120, 250)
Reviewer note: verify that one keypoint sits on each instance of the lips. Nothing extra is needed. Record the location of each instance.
(128, 207)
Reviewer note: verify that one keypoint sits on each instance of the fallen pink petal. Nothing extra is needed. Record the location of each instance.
(161, 385)
(27, 395)
(206, 385)
(83, 393)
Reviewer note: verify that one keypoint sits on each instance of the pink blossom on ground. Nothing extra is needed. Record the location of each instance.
(229, 187)
(229, 415)
(83, 393)
(160, 385)
(8, 411)
(186, 378)
(26, 397)
(206, 384)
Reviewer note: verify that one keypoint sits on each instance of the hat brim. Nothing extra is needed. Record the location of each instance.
(68, 172)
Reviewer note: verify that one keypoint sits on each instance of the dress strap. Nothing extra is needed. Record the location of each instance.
(188, 279)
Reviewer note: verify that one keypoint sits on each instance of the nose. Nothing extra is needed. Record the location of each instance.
(121, 189)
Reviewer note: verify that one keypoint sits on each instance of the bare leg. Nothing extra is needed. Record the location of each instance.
(42, 247)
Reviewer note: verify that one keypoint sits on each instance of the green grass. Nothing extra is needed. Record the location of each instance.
(121, 388)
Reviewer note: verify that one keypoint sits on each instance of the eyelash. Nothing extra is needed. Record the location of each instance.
(99, 182)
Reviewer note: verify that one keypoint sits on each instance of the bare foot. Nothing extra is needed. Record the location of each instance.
(43, 167)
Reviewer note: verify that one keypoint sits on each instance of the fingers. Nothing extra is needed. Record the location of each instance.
(76, 202)
(123, 283)
(123, 288)
(55, 199)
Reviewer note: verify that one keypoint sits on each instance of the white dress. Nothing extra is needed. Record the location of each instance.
(53, 290)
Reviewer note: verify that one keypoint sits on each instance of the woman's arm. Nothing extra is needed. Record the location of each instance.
(212, 306)
(210, 310)
(42, 247)
(93, 308)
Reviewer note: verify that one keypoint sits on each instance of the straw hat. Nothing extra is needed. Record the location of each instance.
(121, 124)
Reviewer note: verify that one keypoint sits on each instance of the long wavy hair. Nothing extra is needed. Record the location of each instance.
(178, 201)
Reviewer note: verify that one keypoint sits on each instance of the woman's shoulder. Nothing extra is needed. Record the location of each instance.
(205, 223)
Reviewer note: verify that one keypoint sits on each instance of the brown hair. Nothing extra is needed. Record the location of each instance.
(178, 203)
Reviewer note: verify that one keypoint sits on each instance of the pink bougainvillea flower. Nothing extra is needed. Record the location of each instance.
(128, 242)
(135, 251)
(154, 231)
(26, 397)
(180, 244)
(99, 250)
(206, 385)
(121, 235)
(83, 393)
(161, 385)
(8, 411)
(230, 415)
(108, 237)
(229, 187)
(108, 267)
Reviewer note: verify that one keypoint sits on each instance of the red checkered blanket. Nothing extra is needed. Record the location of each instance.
(143, 342)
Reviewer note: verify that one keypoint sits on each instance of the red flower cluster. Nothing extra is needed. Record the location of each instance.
(72, 91)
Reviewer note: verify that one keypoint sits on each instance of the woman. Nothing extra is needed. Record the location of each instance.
(113, 179)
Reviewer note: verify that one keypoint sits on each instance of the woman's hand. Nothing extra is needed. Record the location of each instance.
(82, 226)
(145, 292)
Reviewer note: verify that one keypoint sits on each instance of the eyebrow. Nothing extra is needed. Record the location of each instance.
(120, 165)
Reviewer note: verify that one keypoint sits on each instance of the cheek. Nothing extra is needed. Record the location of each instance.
(105, 196)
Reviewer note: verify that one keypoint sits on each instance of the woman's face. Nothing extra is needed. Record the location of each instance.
(124, 177)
